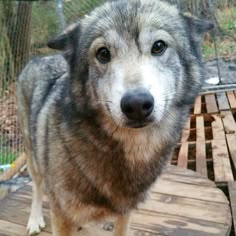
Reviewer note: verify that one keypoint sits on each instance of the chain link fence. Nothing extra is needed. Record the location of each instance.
(26, 27)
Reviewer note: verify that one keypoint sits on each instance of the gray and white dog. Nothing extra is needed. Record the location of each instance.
(99, 128)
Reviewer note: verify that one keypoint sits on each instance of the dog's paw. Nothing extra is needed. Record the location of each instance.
(35, 225)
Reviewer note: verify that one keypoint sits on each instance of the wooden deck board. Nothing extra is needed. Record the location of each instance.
(232, 99)
(222, 101)
(211, 103)
(182, 203)
(231, 141)
(198, 105)
(183, 156)
(200, 128)
(218, 128)
(201, 162)
(229, 122)
(186, 131)
(232, 195)
(222, 167)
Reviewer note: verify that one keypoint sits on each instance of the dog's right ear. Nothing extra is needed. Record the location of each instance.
(197, 27)
(64, 41)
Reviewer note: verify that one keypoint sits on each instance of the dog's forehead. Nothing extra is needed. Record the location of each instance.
(132, 16)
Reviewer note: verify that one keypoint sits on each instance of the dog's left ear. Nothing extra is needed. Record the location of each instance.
(196, 26)
(64, 41)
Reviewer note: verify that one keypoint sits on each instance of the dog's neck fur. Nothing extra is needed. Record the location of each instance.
(110, 156)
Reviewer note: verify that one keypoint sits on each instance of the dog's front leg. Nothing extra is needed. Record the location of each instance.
(122, 225)
(61, 226)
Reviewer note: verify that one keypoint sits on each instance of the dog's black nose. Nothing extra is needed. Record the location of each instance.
(137, 105)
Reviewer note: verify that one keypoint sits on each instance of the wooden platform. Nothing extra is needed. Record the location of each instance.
(208, 141)
(182, 203)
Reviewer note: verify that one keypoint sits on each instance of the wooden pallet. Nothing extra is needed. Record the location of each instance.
(213, 103)
(208, 140)
(182, 203)
(208, 143)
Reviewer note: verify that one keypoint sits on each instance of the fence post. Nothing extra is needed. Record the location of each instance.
(21, 46)
(59, 5)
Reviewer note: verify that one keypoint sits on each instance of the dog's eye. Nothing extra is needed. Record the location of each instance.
(103, 55)
(159, 48)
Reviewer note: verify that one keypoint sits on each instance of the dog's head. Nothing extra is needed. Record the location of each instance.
(134, 60)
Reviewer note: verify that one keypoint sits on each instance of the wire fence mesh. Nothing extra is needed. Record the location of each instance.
(26, 27)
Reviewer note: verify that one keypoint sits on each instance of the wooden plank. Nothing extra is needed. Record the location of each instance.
(186, 176)
(182, 190)
(200, 128)
(173, 208)
(158, 203)
(188, 209)
(178, 226)
(211, 104)
(183, 156)
(232, 99)
(198, 105)
(11, 229)
(232, 195)
(222, 101)
(217, 128)
(170, 204)
(229, 122)
(201, 163)
(231, 141)
(186, 131)
(221, 161)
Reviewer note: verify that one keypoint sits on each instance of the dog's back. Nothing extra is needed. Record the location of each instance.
(33, 87)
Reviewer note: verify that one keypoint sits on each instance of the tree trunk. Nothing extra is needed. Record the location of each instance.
(8, 23)
(21, 45)
(9, 19)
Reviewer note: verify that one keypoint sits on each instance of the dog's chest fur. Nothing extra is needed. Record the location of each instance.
(104, 172)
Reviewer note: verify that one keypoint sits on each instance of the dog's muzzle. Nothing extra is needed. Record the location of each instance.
(137, 105)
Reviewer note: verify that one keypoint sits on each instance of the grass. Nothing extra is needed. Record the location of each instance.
(227, 19)
(226, 42)
(7, 157)
(7, 154)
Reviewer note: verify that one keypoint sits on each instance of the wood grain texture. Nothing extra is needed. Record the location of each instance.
(217, 128)
(186, 131)
(201, 162)
(232, 99)
(198, 106)
(232, 195)
(181, 203)
(222, 101)
(200, 128)
(183, 156)
(229, 122)
(221, 161)
(211, 103)
(231, 141)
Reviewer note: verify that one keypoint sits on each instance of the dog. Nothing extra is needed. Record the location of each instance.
(101, 120)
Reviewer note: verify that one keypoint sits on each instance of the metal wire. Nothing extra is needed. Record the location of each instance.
(26, 26)
(218, 88)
